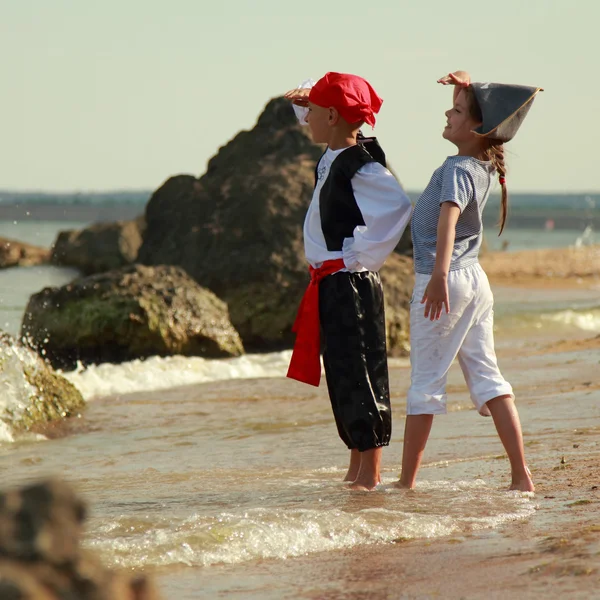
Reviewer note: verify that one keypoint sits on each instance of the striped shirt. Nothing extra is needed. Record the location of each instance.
(467, 182)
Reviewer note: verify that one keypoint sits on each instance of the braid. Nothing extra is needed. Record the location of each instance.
(495, 154)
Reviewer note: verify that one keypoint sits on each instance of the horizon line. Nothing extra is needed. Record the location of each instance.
(91, 192)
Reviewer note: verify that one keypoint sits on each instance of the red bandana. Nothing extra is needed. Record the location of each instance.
(352, 96)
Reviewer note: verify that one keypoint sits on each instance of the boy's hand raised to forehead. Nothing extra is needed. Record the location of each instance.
(298, 96)
(459, 78)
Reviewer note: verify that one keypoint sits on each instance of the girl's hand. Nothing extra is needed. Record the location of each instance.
(459, 78)
(435, 297)
(299, 96)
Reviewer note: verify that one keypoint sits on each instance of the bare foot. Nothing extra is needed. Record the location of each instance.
(522, 485)
(522, 482)
(401, 485)
(361, 485)
(368, 477)
(354, 466)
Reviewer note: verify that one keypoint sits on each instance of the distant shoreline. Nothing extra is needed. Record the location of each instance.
(556, 267)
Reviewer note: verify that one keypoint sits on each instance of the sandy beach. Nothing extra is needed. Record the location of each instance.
(557, 267)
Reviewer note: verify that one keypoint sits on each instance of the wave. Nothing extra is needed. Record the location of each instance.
(158, 373)
(161, 373)
(584, 320)
(130, 541)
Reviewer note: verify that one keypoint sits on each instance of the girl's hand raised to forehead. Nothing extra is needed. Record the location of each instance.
(299, 96)
(459, 78)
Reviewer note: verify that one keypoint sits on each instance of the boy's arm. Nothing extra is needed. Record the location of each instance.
(299, 99)
(386, 210)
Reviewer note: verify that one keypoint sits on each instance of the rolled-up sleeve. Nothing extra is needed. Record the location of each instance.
(386, 211)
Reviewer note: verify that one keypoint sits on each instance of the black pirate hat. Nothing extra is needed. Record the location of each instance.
(503, 108)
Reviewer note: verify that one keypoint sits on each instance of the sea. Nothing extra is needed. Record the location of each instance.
(221, 478)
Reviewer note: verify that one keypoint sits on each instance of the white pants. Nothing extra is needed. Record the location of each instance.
(466, 332)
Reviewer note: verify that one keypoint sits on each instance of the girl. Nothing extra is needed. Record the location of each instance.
(447, 232)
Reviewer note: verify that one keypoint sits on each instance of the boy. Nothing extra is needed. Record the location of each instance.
(356, 217)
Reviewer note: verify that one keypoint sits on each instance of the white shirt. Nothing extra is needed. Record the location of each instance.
(385, 208)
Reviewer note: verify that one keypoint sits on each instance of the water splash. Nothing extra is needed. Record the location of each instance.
(16, 393)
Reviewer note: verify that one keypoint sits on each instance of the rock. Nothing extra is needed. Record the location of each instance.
(128, 313)
(100, 247)
(397, 276)
(20, 254)
(41, 522)
(34, 395)
(405, 245)
(238, 229)
(41, 530)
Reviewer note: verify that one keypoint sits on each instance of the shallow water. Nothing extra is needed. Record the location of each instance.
(234, 471)
(245, 470)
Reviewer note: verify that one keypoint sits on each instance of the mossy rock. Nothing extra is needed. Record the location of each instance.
(128, 313)
(36, 394)
(57, 398)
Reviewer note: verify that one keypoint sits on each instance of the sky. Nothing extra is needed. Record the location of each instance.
(122, 94)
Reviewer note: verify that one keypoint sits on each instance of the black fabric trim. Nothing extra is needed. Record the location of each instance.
(340, 213)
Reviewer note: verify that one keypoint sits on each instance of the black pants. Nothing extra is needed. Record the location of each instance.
(352, 318)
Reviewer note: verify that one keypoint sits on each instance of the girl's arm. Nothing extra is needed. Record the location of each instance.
(436, 292)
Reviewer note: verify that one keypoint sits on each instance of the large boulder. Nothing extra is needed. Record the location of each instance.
(398, 280)
(100, 247)
(238, 229)
(33, 394)
(128, 313)
(20, 254)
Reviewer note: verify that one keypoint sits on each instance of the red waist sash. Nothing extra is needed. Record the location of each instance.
(305, 365)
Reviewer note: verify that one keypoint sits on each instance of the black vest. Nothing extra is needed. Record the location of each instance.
(340, 214)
